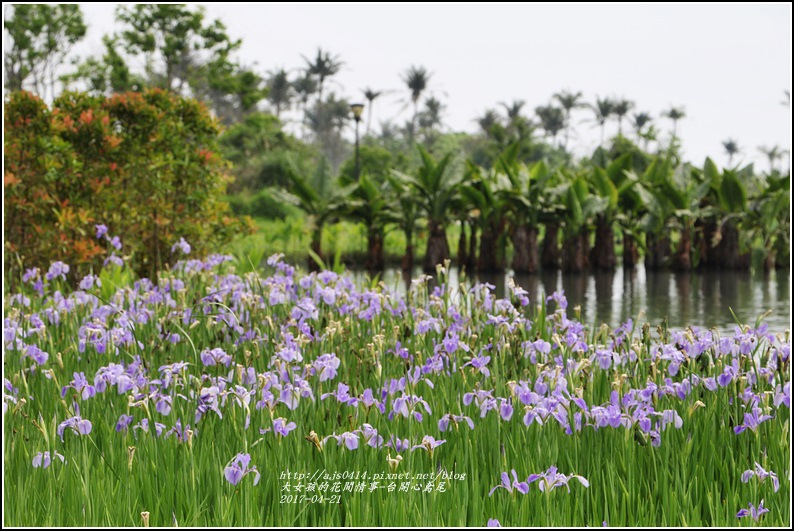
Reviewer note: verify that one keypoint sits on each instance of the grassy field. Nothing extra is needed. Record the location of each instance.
(157, 395)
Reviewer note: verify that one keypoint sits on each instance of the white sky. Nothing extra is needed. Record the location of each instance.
(727, 65)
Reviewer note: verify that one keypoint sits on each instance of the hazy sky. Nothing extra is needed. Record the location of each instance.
(727, 65)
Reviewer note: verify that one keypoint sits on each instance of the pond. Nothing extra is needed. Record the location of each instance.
(699, 298)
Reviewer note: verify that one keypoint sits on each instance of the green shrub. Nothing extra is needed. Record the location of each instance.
(144, 164)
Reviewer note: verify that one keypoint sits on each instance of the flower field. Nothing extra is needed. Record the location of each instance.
(208, 398)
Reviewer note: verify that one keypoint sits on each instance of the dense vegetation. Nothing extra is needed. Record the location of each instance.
(186, 401)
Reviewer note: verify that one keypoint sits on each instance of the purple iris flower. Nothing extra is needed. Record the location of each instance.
(326, 366)
(182, 245)
(371, 436)
(238, 468)
(443, 423)
(783, 396)
(480, 363)
(77, 424)
(30, 274)
(762, 476)
(101, 230)
(282, 427)
(349, 439)
(38, 355)
(113, 259)
(44, 460)
(216, 356)
(57, 269)
(752, 420)
(397, 444)
(551, 479)
(116, 243)
(753, 511)
(429, 444)
(493, 522)
(520, 486)
(80, 384)
(124, 422)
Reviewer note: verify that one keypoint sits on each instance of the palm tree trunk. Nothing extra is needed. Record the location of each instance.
(462, 249)
(574, 252)
(525, 249)
(656, 257)
(550, 256)
(316, 247)
(471, 259)
(437, 246)
(374, 249)
(604, 249)
(408, 259)
(488, 261)
(683, 255)
(630, 252)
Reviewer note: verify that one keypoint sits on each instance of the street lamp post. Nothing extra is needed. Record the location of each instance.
(357, 109)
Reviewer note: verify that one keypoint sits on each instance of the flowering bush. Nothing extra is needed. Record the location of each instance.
(145, 165)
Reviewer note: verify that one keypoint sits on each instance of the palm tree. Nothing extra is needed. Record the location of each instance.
(674, 114)
(640, 121)
(324, 66)
(622, 107)
(435, 185)
(488, 120)
(304, 87)
(371, 96)
(731, 148)
(772, 154)
(603, 108)
(279, 90)
(430, 117)
(416, 78)
(569, 101)
(552, 120)
(404, 212)
(369, 204)
(483, 192)
(527, 202)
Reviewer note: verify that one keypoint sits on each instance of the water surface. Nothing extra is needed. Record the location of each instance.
(685, 299)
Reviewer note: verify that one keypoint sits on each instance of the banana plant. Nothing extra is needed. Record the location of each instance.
(369, 204)
(482, 193)
(404, 212)
(684, 188)
(769, 219)
(615, 184)
(436, 183)
(528, 203)
(581, 209)
(657, 211)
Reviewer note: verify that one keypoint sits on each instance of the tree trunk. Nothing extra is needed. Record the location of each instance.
(525, 249)
(374, 250)
(656, 257)
(462, 246)
(704, 237)
(769, 261)
(728, 252)
(550, 257)
(488, 261)
(683, 255)
(408, 259)
(316, 247)
(471, 259)
(604, 250)
(631, 254)
(574, 253)
(437, 246)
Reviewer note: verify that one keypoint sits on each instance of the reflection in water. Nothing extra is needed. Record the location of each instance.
(702, 299)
